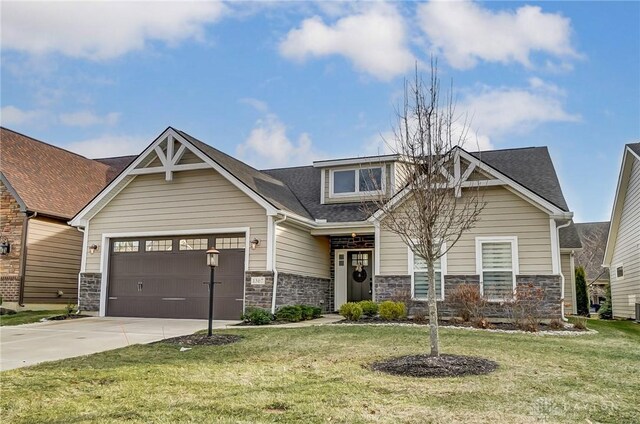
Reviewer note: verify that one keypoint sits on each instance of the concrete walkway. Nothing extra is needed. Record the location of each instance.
(29, 344)
(325, 319)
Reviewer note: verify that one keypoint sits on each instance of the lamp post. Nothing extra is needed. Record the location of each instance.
(212, 262)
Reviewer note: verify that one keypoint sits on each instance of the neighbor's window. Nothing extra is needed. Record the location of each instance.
(194, 244)
(354, 181)
(230, 243)
(620, 272)
(420, 277)
(126, 246)
(158, 245)
(497, 262)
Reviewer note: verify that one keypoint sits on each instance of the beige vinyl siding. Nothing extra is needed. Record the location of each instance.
(54, 253)
(505, 214)
(201, 199)
(569, 282)
(298, 252)
(625, 292)
(388, 169)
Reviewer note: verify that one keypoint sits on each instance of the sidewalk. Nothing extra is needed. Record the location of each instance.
(325, 319)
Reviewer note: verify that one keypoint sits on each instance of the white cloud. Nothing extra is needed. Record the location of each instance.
(374, 40)
(258, 105)
(464, 32)
(100, 30)
(11, 115)
(87, 118)
(109, 146)
(269, 146)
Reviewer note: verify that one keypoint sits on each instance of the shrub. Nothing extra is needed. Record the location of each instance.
(369, 308)
(481, 322)
(582, 298)
(556, 324)
(289, 313)
(579, 323)
(468, 302)
(351, 311)
(389, 310)
(526, 307)
(421, 317)
(69, 309)
(606, 311)
(257, 316)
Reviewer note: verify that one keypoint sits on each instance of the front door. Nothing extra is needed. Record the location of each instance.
(359, 276)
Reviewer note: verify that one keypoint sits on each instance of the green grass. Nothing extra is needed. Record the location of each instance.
(27, 317)
(319, 375)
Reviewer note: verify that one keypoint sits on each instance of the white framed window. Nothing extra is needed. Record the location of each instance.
(497, 266)
(349, 182)
(619, 272)
(158, 245)
(230, 242)
(420, 276)
(126, 246)
(194, 244)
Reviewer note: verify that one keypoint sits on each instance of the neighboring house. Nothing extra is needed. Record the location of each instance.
(296, 235)
(622, 254)
(41, 188)
(593, 236)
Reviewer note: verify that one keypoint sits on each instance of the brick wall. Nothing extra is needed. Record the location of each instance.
(11, 221)
(300, 290)
(258, 295)
(89, 296)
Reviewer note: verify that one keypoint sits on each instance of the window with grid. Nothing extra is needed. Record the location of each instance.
(497, 268)
(230, 243)
(158, 245)
(194, 244)
(421, 278)
(360, 258)
(126, 246)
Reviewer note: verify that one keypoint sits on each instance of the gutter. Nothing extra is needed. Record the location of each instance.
(562, 279)
(23, 254)
(273, 267)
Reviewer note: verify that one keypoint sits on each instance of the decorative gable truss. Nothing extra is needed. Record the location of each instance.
(460, 180)
(167, 157)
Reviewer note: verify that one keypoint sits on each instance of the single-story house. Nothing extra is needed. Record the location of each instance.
(593, 236)
(296, 235)
(41, 188)
(622, 254)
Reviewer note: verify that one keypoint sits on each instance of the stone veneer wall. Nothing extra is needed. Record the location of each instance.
(11, 221)
(398, 288)
(258, 295)
(366, 241)
(302, 290)
(89, 293)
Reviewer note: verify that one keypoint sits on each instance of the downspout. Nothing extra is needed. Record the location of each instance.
(558, 227)
(23, 258)
(273, 265)
(84, 253)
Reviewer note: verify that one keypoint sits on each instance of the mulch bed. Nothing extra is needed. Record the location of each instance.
(63, 317)
(202, 340)
(435, 366)
(249, 324)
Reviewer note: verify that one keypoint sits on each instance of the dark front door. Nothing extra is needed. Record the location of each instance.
(359, 276)
(168, 278)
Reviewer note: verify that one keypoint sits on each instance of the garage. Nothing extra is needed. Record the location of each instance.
(167, 277)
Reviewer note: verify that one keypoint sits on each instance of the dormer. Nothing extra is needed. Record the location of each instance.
(354, 179)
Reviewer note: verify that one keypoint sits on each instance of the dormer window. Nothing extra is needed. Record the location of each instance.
(349, 182)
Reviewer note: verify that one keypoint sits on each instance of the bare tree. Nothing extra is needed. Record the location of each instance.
(434, 209)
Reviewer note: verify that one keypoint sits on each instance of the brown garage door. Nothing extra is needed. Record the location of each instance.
(168, 277)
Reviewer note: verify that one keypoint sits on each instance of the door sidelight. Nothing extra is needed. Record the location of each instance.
(139, 286)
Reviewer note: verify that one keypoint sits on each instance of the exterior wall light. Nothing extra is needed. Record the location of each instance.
(353, 235)
(93, 248)
(254, 243)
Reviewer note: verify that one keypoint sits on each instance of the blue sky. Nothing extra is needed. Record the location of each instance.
(280, 84)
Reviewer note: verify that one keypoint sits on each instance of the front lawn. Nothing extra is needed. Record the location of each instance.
(319, 374)
(27, 317)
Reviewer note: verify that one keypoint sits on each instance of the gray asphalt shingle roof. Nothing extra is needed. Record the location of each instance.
(594, 240)
(569, 237)
(635, 147)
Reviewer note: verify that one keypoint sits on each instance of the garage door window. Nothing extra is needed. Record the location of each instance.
(194, 244)
(125, 246)
(159, 245)
(230, 243)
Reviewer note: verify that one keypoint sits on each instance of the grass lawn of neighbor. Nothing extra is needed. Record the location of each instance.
(320, 374)
(27, 317)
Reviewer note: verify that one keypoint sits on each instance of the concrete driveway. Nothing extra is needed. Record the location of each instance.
(29, 344)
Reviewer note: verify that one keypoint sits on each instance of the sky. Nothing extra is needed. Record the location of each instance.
(285, 83)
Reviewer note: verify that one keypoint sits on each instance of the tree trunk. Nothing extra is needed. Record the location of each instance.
(433, 312)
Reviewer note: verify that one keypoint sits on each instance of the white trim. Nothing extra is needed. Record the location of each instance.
(179, 154)
(169, 168)
(169, 164)
(85, 242)
(515, 267)
(323, 184)
(376, 244)
(555, 254)
(572, 270)
(356, 176)
(270, 244)
(106, 238)
(356, 161)
(615, 271)
(411, 271)
(345, 275)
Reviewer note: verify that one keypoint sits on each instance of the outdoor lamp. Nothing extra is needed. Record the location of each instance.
(212, 257)
(254, 243)
(93, 248)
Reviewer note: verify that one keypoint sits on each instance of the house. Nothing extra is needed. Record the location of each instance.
(622, 254)
(593, 236)
(296, 235)
(41, 188)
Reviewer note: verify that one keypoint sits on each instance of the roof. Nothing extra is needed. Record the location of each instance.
(47, 179)
(594, 240)
(635, 147)
(569, 237)
(117, 164)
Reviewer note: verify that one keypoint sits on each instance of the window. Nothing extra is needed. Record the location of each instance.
(360, 258)
(619, 272)
(125, 246)
(159, 245)
(420, 277)
(497, 265)
(355, 181)
(230, 243)
(194, 244)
